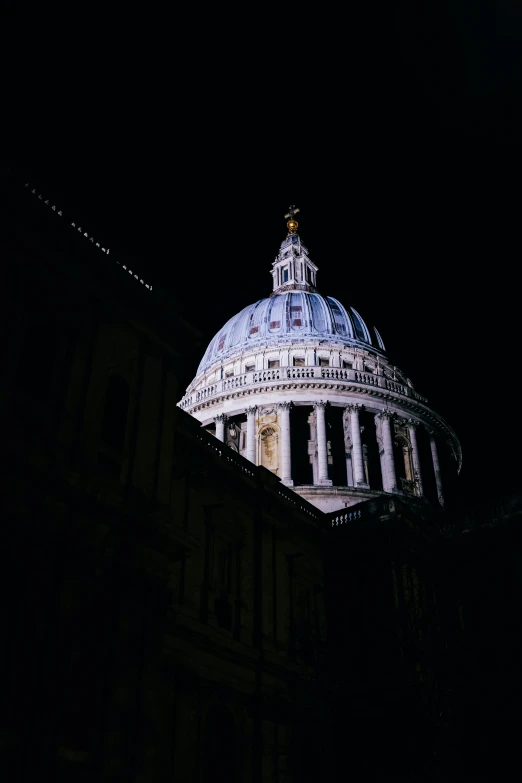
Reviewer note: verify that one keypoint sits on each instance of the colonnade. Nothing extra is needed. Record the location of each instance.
(388, 471)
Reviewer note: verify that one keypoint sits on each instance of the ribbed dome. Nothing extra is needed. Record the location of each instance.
(286, 317)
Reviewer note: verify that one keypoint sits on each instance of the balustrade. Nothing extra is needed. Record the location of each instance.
(300, 372)
(267, 375)
(398, 388)
(238, 462)
(346, 516)
(289, 374)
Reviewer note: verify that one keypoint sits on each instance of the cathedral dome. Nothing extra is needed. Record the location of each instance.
(298, 383)
(287, 317)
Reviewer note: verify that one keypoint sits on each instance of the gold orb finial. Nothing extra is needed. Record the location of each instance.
(292, 223)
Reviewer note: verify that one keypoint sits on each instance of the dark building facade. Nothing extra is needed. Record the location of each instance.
(173, 612)
(163, 598)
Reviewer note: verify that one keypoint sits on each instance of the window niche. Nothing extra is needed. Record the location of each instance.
(273, 364)
(323, 361)
(298, 361)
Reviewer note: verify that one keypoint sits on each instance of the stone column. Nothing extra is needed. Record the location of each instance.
(357, 457)
(283, 418)
(220, 420)
(322, 448)
(412, 428)
(250, 452)
(389, 479)
(436, 467)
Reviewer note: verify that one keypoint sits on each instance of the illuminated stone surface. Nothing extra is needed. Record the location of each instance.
(297, 348)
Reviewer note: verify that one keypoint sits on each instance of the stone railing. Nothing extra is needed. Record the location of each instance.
(221, 451)
(345, 517)
(287, 375)
(244, 466)
(292, 497)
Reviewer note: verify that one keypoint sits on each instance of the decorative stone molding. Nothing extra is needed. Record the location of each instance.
(266, 410)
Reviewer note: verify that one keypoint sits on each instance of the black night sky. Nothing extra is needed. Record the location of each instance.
(396, 131)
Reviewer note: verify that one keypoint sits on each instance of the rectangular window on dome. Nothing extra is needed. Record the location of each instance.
(285, 275)
(324, 362)
(273, 363)
(221, 344)
(249, 367)
(275, 324)
(254, 329)
(299, 361)
(297, 322)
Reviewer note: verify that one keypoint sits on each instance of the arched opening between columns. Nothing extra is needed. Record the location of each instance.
(302, 472)
(268, 448)
(371, 458)
(426, 463)
(336, 446)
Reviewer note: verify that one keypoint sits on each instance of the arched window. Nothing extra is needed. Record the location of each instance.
(115, 413)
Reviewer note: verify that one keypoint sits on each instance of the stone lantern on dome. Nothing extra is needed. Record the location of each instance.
(312, 395)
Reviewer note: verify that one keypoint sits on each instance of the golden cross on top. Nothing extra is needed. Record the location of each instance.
(292, 211)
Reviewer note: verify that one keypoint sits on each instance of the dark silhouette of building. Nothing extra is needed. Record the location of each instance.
(173, 612)
(163, 597)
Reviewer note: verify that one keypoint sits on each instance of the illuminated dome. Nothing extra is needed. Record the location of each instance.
(300, 384)
(286, 317)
